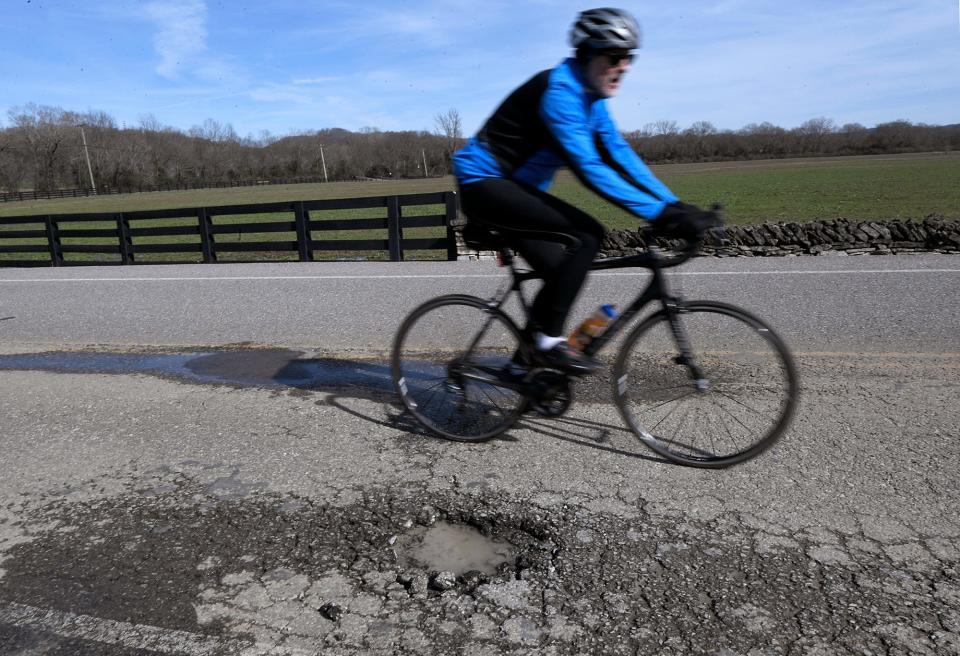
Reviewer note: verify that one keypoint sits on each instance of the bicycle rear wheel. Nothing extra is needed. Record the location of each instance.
(738, 404)
(451, 367)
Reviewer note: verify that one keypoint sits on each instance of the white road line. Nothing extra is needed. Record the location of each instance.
(479, 275)
(95, 629)
(125, 634)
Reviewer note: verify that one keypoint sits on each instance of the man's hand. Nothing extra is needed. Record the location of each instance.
(684, 221)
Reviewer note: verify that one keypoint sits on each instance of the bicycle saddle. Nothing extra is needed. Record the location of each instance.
(481, 238)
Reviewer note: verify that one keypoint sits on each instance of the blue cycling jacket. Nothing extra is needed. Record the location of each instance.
(550, 121)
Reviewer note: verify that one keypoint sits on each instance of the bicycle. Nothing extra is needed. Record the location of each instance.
(702, 383)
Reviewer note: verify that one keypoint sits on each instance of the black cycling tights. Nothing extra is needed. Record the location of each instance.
(509, 204)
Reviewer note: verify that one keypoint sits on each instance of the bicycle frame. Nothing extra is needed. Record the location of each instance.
(656, 290)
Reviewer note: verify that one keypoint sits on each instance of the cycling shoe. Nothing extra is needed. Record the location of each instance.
(565, 358)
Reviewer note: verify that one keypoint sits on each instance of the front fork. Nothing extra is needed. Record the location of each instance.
(674, 307)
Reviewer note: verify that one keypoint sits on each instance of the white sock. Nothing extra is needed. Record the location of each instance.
(545, 342)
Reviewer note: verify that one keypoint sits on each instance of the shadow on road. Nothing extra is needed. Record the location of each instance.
(342, 380)
(579, 432)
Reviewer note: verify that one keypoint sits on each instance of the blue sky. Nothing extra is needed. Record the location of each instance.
(297, 65)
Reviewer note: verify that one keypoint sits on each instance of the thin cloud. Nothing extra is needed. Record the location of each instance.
(310, 65)
(313, 81)
(182, 33)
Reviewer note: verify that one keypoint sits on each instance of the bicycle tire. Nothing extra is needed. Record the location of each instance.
(454, 396)
(647, 383)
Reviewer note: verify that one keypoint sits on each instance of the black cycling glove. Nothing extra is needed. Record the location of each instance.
(684, 221)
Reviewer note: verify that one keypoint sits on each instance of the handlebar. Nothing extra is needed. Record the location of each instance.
(654, 257)
(677, 251)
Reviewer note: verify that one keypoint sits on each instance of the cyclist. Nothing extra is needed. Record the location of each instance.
(559, 117)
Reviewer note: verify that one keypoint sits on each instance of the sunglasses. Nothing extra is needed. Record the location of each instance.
(616, 57)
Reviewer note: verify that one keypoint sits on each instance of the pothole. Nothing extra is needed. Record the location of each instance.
(299, 574)
(145, 556)
(446, 547)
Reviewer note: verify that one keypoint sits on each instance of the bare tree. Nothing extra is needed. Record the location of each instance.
(150, 123)
(47, 132)
(697, 139)
(11, 169)
(662, 127)
(812, 134)
(450, 127)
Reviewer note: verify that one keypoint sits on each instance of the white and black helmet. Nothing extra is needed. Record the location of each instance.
(605, 28)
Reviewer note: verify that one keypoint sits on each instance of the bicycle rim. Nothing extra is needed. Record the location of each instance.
(451, 368)
(742, 403)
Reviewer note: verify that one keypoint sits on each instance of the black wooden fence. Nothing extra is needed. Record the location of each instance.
(199, 236)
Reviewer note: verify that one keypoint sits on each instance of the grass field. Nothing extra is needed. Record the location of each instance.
(872, 187)
(859, 188)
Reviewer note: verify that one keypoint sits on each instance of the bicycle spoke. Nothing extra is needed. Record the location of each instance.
(482, 407)
(681, 397)
(433, 395)
(727, 427)
(754, 423)
(440, 381)
(713, 440)
(495, 404)
(694, 436)
(668, 414)
(681, 424)
(746, 407)
(754, 410)
(677, 443)
(509, 396)
(735, 418)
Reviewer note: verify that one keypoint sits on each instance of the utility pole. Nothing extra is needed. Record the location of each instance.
(324, 163)
(87, 153)
(423, 153)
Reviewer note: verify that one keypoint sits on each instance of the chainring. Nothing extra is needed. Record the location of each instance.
(548, 391)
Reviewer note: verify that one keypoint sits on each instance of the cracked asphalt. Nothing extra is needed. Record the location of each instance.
(163, 493)
(145, 511)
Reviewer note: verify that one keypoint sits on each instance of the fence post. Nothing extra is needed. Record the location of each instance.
(53, 242)
(206, 236)
(394, 232)
(450, 216)
(302, 218)
(126, 242)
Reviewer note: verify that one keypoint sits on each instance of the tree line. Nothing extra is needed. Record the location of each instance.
(43, 149)
(666, 142)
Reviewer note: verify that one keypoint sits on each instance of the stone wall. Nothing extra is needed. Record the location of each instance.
(839, 237)
(835, 237)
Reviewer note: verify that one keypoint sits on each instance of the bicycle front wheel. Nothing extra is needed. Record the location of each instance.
(452, 368)
(729, 403)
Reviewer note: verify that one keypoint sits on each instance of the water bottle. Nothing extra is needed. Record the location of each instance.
(592, 326)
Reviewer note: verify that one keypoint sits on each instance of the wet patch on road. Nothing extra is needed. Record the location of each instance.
(271, 368)
(274, 368)
(184, 551)
(447, 547)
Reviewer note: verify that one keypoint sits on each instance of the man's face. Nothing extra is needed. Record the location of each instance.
(606, 69)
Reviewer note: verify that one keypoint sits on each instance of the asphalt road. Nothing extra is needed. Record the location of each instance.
(889, 303)
(192, 500)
